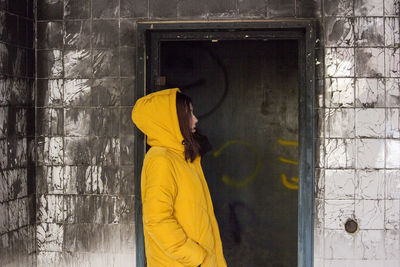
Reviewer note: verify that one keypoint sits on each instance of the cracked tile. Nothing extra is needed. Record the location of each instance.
(368, 7)
(339, 184)
(392, 92)
(370, 62)
(51, 209)
(370, 153)
(392, 32)
(392, 61)
(78, 64)
(370, 214)
(392, 214)
(369, 244)
(339, 245)
(339, 62)
(370, 122)
(49, 237)
(392, 184)
(50, 92)
(370, 92)
(77, 92)
(337, 212)
(339, 31)
(340, 153)
(77, 121)
(339, 92)
(369, 31)
(338, 8)
(393, 123)
(392, 154)
(339, 123)
(370, 184)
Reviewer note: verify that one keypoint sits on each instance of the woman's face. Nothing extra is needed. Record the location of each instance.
(193, 120)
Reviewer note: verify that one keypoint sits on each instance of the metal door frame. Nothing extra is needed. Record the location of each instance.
(149, 36)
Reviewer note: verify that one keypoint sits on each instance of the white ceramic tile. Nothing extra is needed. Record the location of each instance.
(392, 245)
(319, 213)
(339, 184)
(339, 32)
(392, 214)
(339, 62)
(23, 211)
(319, 243)
(368, 31)
(370, 184)
(391, 7)
(54, 177)
(50, 237)
(368, 8)
(339, 245)
(319, 183)
(370, 92)
(340, 153)
(373, 263)
(337, 212)
(55, 89)
(53, 150)
(370, 122)
(368, 244)
(339, 92)
(57, 67)
(338, 263)
(339, 122)
(370, 62)
(392, 153)
(393, 123)
(49, 258)
(392, 62)
(3, 121)
(392, 33)
(77, 121)
(320, 152)
(370, 214)
(392, 92)
(392, 181)
(318, 262)
(50, 208)
(370, 153)
(13, 208)
(75, 91)
(3, 218)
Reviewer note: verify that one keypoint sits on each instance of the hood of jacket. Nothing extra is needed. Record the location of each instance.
(156, 116)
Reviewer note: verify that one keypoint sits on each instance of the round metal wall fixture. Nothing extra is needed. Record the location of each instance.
(351, 226)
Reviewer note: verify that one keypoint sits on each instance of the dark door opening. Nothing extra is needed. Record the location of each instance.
(245, 95)
(252, 85)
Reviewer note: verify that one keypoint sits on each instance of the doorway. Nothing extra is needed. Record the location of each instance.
(250, 95)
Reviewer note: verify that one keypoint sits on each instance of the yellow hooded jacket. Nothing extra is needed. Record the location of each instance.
(179, 224)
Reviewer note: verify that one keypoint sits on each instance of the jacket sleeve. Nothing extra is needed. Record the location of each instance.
(159, 195)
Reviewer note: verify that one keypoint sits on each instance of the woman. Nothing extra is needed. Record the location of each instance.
(179, 224)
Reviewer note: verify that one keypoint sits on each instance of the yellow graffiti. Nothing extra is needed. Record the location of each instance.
(293, 184)
(294, 162)
(240, 183)
(288, 143)
(294, 181)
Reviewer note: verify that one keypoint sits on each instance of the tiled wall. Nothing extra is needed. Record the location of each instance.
(84, 137)
(359, 171)
(85, 187)
(17, 123)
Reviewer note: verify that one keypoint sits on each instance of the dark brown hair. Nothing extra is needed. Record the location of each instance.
(195, 144)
